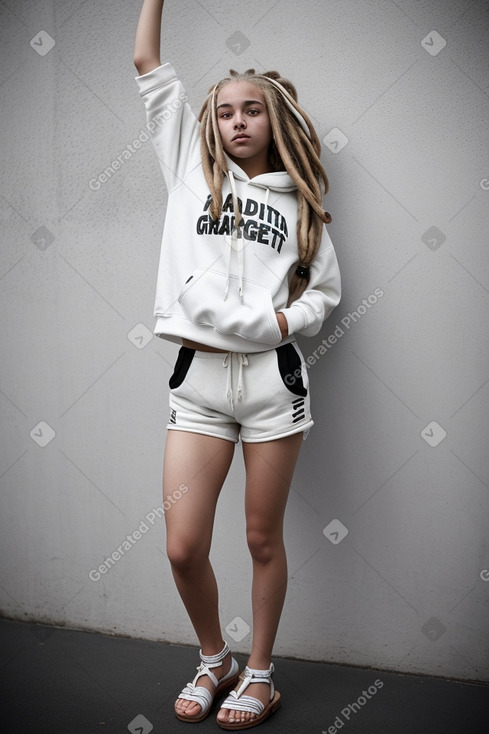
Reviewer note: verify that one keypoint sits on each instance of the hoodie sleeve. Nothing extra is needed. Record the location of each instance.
(173, 127)
(307, 314)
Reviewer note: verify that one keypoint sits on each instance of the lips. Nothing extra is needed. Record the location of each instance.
(241, 136)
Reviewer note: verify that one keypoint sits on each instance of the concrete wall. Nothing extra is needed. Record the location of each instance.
(387, 521)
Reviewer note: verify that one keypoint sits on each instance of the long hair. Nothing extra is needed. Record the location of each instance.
(295, 148)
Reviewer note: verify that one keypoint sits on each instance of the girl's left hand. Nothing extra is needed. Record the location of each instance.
(282, 322)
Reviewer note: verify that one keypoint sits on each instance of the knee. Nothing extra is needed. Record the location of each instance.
(185, 557)
(263, 546)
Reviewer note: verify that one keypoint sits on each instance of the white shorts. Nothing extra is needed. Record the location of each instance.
(260, 397)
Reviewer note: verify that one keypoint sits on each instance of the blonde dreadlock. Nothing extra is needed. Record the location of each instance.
(293, 149)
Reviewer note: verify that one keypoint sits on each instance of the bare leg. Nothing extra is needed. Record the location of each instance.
(269, 470)
(200, 463)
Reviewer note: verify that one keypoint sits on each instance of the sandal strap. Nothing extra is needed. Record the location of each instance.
(213, 661)
(201, 695)
(262, 674)
(237, 702)
(249, 704)
(251, 675)
(198, 694)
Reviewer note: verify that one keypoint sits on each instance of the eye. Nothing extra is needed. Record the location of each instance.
(253, 112)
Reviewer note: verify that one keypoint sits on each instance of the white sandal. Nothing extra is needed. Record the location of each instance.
(199, 694)
(237, 702)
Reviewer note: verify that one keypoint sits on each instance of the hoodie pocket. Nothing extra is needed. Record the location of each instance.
(251, 317)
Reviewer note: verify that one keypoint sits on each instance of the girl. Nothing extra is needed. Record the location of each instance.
(246, 263)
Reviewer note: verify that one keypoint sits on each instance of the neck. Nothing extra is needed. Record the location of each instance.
(253, 167)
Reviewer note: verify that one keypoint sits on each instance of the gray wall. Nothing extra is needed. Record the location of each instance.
(397, 458)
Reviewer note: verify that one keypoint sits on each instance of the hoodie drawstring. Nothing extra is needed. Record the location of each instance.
(235, 243)
(228, 363)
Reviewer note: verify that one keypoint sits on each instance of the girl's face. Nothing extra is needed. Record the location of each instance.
(244, 125)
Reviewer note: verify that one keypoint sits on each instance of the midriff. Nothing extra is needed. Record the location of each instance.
(201, 347)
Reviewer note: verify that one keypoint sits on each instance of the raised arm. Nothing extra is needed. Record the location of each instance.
(148, 37)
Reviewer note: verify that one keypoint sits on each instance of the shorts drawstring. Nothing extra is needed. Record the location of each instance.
(228, 363)
(243, 360)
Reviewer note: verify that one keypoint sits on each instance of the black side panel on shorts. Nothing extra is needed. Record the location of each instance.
(289, 364)
(184, 360)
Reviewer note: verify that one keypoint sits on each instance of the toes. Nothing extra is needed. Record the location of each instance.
(231, 716)
(193, 709)
(188, 708)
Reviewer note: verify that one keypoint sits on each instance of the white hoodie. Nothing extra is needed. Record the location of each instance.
(214, 288)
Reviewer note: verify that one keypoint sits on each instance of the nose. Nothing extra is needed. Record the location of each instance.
(239, 121)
